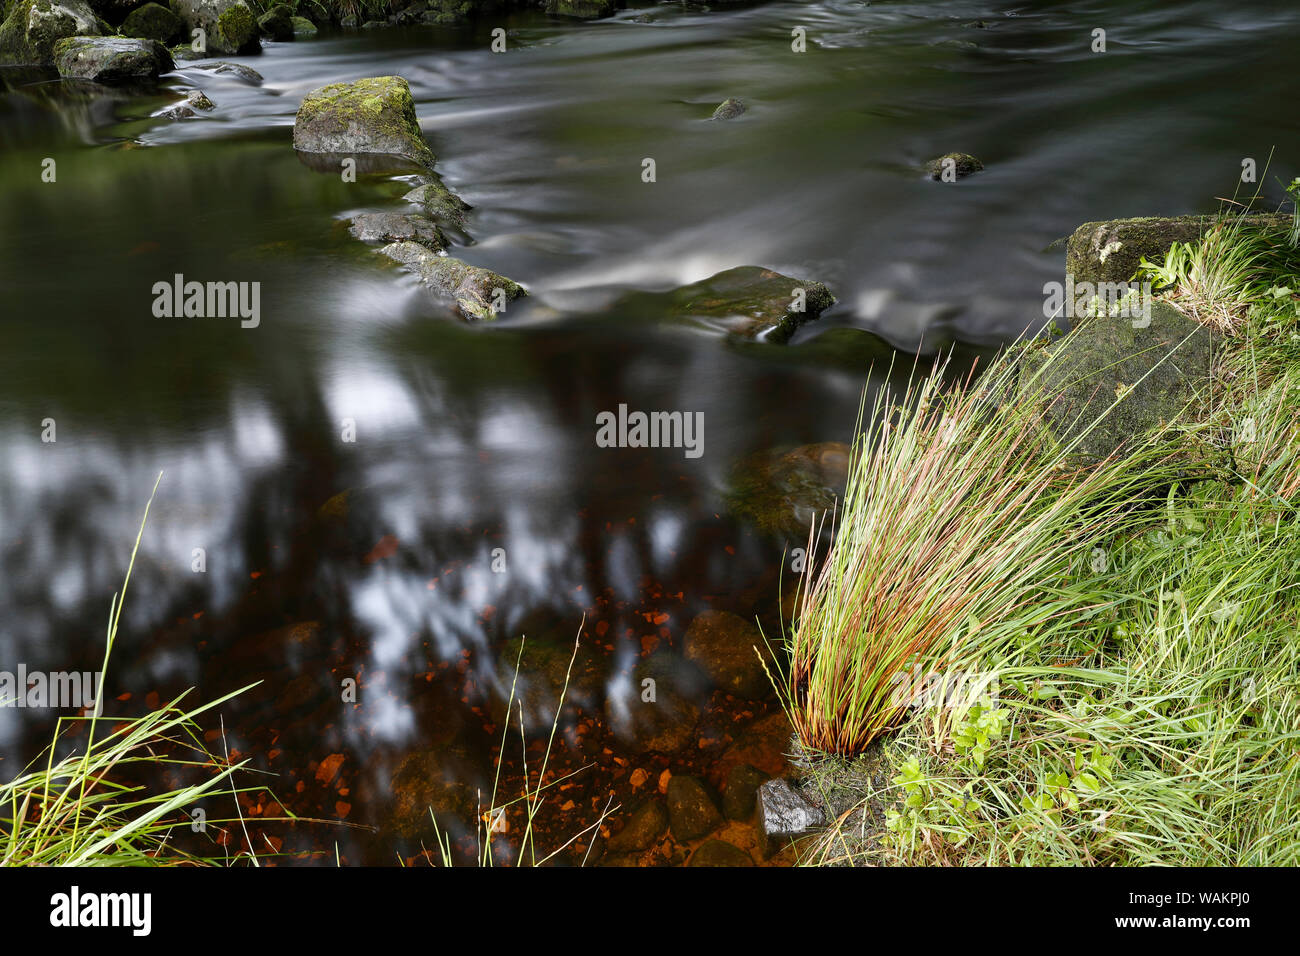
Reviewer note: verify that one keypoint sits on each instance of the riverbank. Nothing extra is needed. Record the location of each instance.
(1133, 702)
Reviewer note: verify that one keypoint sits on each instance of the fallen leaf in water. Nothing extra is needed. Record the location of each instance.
(663, 780)
(329, 767)
(386, 548)
(638, 778)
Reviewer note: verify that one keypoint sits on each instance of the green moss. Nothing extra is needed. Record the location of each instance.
(238, 30)
(382, 105)
(18, 44)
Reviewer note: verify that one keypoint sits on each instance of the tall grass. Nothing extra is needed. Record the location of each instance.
(74, 809)
(961, 517)
(1145, 704)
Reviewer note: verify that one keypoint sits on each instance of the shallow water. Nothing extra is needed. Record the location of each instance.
(472, 438)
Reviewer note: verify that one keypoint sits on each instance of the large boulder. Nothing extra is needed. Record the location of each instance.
(374, 115)
(753, 302)
(111, 59)
(1111, 251)
(153, 21)
(1149, 371)
(480, 293)
(228, 25)
(32, 28)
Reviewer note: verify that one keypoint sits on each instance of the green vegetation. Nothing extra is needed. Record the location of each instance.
(1132, 627)
(73, 811)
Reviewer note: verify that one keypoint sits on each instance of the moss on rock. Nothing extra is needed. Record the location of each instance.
(153, 21)
(1150, 374)
(374, 115)
(33, 27)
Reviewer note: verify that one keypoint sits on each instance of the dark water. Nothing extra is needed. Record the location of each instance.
(470, 439)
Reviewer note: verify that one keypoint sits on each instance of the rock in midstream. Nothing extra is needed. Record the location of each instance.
(480, 293)
(373, 115)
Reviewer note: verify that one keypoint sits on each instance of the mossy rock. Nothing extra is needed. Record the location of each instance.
(374, 115)
(33, 27)
(961, 164)
(236, 31)
(479, 293)
(111, 59)
(440, 203)
(153, 21)
(397, 227)
(581, 9)
(302, 27)
(729, 108)
(753, 302)
(543, 669)
(1150, 374)
(277, 24)
(1111, 251)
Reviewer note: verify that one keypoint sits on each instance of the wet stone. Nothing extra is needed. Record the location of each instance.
(643, 829)
(741, 794)
(691, 810)
(784, 815)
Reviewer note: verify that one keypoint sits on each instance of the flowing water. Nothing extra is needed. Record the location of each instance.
(470, 439)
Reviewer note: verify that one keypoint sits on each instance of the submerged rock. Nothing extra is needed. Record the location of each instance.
(543, 670)
(111, 59)
(719, 853)
(691, 810)
(1150, 374)
(427, 781)
(277, 23)
(397, 227)
(753, 302)
(32, 28)
(153, 21)
(644, 826)
(666, 723)
(727, 648)
(786, 492)
(1111, 251)
(223, 68)
(730, 108)
(954, 165)
(480, 293)
(738, 799)
(784, 815)
(374, 115)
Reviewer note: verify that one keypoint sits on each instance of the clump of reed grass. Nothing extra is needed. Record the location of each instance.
(962, 513)
(1149, 710)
